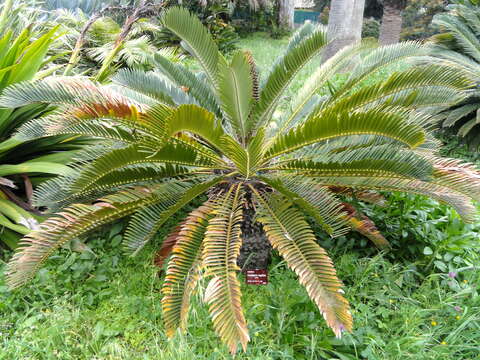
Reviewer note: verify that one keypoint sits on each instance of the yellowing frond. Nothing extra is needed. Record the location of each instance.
(221, 248)
(183, 268)
(290, 234)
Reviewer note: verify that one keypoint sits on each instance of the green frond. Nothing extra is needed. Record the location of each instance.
(237, 154)
(220, 251)
(467, 127)
(235, 90)
(290, 234)
(57, 90)
(35, 248)
(154, 85)
(420, 77)
(315, 200)
(57, 193)
(187, 81)
(460, 202)
(58, 124)
(405, 164)
(183, 268)
(463, 35)
(282, 75)
(330, 125)
(174, 154)
(340, 61)
(195, 37)
(457, 114)
(145, 224)
(198, 121)
(382, 58)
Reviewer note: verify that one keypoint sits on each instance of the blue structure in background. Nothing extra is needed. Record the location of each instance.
(300, 16)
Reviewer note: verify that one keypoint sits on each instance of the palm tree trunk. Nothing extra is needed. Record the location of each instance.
(391, 22)
(286, 12)
(344, 25)
(357, 19)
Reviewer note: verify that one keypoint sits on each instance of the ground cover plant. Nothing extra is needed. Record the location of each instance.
(203, 138)
(107, 306)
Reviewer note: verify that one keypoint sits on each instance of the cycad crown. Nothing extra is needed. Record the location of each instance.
(173, 135)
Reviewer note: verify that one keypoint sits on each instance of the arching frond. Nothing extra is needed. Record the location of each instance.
(315, 200)
(189, 83)
(460, 202)
(367, 167)
(36, 247)
(175, 154)
(290, 234)
(414, 79)
(183, 268)
(145, 224)
(320, 78)
(333, 125)
(196, 38)
(382, 58)
(282, 75)
(153, 85)
(220, 251)
(236, 92)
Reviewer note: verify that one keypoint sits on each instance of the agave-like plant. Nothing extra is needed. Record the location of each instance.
(459, 47)
(172, 135)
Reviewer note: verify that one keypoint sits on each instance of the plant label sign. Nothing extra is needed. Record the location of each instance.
(257, 277)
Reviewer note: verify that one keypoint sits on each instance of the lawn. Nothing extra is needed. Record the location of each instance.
(420, 301)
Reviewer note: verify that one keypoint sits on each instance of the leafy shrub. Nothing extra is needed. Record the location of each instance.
(23, 164)
(371, 28)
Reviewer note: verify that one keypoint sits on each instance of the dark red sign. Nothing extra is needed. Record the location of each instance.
(257, 277)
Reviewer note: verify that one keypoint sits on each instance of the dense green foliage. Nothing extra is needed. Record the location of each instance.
(105, 305)
(419, 299)
(459, 46)
(25, 163)
(176, 136)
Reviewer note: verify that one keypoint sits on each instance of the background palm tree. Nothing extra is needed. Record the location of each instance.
(345, 22)
(286, 9)
(392, 20)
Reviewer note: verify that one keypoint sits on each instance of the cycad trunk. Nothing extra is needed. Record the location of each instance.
(256, 250)
(391, 22)
(286, 13)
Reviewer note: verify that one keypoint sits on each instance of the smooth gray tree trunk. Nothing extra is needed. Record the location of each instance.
(286, 10)
(344, 25)
(357, 19)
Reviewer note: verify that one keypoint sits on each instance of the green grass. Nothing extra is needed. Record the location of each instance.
(405, 306)
(108, 307)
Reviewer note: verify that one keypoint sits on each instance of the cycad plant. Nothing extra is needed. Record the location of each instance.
(459, 46)
(172, 135)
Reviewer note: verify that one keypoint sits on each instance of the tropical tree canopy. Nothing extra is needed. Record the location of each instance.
(171, 135)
